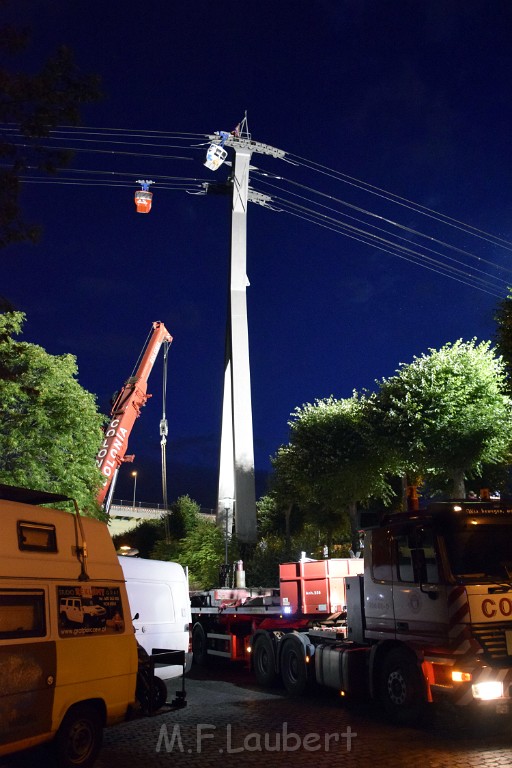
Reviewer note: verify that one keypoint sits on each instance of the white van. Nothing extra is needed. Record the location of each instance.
(158, 594)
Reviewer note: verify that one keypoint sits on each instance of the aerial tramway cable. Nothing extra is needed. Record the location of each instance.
(477, 275)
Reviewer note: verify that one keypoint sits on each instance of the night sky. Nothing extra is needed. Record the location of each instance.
(366, 98)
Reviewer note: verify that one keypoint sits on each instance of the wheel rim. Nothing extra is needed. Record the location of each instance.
(397, 689)
(80, 742)
(263, 660)
(293, 666)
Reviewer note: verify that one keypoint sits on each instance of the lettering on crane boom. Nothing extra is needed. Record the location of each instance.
(106, 460)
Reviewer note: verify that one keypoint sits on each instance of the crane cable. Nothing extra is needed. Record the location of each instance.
(163, 442)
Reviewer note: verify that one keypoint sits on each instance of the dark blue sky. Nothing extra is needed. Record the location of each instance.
(410, 97)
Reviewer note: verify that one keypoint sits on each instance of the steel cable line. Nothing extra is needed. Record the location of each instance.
(70, 169)
(403, 201)
(103, 183)
(108, 152)
(72, 137)
(298, 160)
(310, 165)
(96, 141)
(402, 256)
(414, 256)
(377, 216)
(90, 131)
(408, 240)
(433, 266)
(130, 131)
(344, 227)
(331, 197)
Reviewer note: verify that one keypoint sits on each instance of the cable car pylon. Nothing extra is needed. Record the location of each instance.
(236, 490)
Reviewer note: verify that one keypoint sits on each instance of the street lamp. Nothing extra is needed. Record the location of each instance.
(134, 475)
(126, 551)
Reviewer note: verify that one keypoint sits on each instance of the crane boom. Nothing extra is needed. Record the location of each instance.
(126, 409)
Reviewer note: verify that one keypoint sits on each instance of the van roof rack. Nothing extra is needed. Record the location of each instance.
(27, 496)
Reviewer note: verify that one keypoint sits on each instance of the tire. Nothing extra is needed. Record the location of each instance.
(264, 661)
(159, 693)
(402, 688)
(199, 646)
(294, 673)
(78, 740)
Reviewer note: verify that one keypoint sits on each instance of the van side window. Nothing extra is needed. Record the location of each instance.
(22, 614)
(36, 537)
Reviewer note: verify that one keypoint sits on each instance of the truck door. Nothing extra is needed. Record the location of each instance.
(419, 595)
(27, 665)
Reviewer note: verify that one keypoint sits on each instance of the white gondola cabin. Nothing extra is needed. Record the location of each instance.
(215, 156)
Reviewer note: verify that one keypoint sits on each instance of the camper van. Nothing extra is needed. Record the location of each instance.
(158, 594)
(69, 659)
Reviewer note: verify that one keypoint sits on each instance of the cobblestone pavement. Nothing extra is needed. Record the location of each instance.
(229, 721)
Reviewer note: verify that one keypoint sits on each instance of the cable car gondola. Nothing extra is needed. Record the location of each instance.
(215, 156)
(143, 197)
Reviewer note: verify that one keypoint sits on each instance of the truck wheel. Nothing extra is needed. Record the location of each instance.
(264, 661)
(199, 645)
(402, 689)
(294, 672)
(79, 737)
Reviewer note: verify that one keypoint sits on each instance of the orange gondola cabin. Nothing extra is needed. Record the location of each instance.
(143, 197)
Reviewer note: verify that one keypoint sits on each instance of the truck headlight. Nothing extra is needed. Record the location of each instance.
(491, 689)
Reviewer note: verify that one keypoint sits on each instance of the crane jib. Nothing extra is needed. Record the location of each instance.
(112, 448)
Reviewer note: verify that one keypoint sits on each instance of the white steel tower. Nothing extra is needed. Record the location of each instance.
(236, 495)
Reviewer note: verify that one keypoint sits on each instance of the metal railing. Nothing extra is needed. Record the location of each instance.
(146, 510)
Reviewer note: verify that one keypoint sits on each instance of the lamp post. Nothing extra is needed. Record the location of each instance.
(134, 475)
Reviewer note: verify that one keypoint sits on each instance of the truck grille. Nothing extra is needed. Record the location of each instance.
(493, 640)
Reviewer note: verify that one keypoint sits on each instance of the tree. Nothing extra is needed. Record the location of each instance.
(34, 104)
(202, 550)
(144, 537)
(277, 511)
(50, 426)
(447, 413)
(283, 498)
(182, 517)
(333, 461)
(503, 319)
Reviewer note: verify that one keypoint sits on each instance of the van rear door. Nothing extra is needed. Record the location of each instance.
(27, 665)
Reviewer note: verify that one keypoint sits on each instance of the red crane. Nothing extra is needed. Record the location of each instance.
(126, 408)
